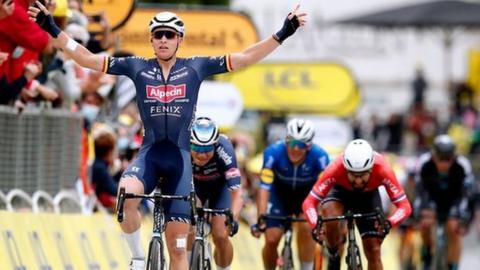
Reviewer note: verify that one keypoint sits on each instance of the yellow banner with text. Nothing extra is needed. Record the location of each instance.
(327, 88)
(208, 32)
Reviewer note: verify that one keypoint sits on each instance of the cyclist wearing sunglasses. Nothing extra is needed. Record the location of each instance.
(444, 186)
(216, 180)
(351, 182)
(290, 168)
(167, 90)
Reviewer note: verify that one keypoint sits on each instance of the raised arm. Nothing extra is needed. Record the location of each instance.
(261, 49)
(77, 52)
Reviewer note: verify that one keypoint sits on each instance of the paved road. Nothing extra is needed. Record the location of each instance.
(248, 250)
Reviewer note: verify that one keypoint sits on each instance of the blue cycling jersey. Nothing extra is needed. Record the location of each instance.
(167, 105)
(279, 170)
(287, 184)
(220, 169)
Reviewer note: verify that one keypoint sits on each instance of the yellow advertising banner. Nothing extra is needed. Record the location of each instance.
(303, 88)
(116, 11)
(473, 77)
(208, 32)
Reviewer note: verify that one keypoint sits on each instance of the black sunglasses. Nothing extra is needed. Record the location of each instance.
(164, 33)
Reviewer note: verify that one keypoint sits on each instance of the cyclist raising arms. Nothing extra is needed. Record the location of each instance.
(290, 168)
(216, 180)
(167, 91)
(444, 185)
(351, 183)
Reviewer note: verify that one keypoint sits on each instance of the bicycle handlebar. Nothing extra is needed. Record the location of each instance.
(122, 196)
(349, 216)
(284, 219)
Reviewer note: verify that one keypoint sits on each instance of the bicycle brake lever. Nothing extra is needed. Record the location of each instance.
(121, 201)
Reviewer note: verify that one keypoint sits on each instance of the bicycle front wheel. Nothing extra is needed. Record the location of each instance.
(354, 261)
(287, 258)
(156, 257)
(197, 257)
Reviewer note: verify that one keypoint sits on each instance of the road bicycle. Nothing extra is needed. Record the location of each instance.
(287, 221)
(201, 258)
(353, 258)
(156, 252)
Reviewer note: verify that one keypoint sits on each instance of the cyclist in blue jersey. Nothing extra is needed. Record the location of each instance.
(167, 91)
(217, 183)
(290, 169)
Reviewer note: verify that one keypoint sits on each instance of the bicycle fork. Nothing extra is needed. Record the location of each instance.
(353, 249)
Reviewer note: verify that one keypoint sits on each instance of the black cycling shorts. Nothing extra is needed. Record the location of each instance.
(358, 202)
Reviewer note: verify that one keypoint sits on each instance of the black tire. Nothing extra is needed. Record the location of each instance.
(156, 257)
(287, 258)
(196, 262)
(354, 261)
(440, 255)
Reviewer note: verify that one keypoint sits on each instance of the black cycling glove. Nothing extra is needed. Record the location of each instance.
(47, 23)
(289, 27)
(234, 228)
(387, 225)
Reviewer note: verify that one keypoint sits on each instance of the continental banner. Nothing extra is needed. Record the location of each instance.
(208, 32)
(326, 88)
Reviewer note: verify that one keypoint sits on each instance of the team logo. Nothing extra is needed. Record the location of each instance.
(166, 93)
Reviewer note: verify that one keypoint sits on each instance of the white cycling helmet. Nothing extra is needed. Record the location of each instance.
(358, 156)
(167, 20)
(204, 132)
(302, 130)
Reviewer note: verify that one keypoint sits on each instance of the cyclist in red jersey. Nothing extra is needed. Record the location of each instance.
(351, 182)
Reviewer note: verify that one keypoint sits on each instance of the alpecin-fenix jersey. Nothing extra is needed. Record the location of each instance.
(167, 105)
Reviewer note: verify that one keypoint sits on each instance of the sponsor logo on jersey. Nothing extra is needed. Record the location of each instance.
(178, 76)
(388, 183)
(166, 93)
(320, 189)
(146, 75)
(232, 173)
(166, 110)
(224, 155)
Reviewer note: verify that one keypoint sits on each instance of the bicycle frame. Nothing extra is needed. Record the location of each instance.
(156, 256)
(287, 221)
(201, 253)
(440, 255)
(353, 259)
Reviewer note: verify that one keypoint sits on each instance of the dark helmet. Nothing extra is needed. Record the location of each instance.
(444, 147)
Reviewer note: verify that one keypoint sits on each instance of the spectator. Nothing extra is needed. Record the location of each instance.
(419, 85)
(62, 71)
(394, 128)
(6, 8)
(9, 91)
(103, 183)
(22, 39)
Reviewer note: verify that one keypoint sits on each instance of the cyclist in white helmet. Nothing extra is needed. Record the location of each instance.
(351, 182)
(290, 168)
(217, 183)
(167, 89)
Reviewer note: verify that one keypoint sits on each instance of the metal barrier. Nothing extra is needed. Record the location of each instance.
(18, 201)
(42, 202)
(67, 201)
(39, 149)
(3, 201)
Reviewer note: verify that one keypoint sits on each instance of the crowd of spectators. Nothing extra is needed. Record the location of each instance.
(34, 74)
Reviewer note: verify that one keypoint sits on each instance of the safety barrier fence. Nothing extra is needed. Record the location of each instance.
(75, 241)
(39, 149)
